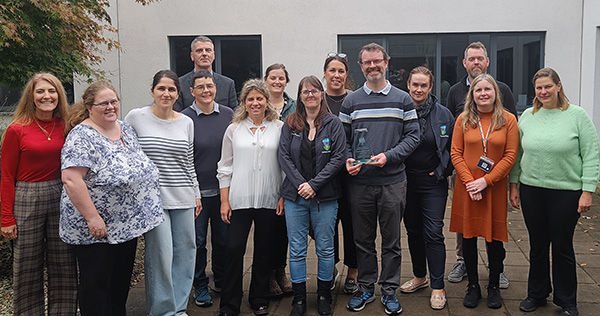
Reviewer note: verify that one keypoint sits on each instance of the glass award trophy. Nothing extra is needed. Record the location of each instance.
(361, 150)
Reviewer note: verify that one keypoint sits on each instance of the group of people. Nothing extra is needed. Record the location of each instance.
(79, 186)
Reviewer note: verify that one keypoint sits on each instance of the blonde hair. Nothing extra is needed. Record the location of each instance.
(563, 101)
(249, 86)
(80, 111)
(470, 115)
(25, 112)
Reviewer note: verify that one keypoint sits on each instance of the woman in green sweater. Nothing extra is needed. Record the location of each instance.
(557, 168)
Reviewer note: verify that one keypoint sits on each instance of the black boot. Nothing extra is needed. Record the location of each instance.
(324, 297)
(299, 303)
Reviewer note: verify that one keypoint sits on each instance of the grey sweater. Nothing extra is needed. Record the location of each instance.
(393, 129)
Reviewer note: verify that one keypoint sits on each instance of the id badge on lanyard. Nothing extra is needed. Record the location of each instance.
(485, 163)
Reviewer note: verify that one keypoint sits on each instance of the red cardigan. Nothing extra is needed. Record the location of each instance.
(28, 156)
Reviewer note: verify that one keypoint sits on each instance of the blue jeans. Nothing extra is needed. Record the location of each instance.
(169, 263)
(211, 211)
(322, 216)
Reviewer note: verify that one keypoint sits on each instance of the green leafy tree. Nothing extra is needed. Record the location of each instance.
(63, 37)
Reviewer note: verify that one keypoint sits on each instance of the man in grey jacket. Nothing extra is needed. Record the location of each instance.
(203, 55)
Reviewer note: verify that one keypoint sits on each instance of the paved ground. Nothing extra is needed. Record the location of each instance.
(587, 248)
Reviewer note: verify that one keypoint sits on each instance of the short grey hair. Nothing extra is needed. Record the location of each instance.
(200, 38)
(476, 45)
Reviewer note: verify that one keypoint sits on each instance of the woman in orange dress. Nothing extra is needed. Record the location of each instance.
(484, 149)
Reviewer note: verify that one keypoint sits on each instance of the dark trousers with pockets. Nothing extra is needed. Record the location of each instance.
(371, 204)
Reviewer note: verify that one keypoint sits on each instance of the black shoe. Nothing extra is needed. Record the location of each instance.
(324, 297)
(260, 310)
(569, 311)
(324, 306)
(530, 304)
(298, 308)
(472, 296)
(494, 299)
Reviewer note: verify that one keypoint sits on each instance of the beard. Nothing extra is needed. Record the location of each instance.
(473, 74)
(375, 78)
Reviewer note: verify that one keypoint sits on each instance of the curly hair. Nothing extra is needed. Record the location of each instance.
(249, 86)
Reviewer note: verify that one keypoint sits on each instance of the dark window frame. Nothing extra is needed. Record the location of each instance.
(489, 39)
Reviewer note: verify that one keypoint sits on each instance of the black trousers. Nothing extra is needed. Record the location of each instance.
(424, 221)
(237, 238)
(496, 255)
(551, 216)
(279, 244)
(345, 217)
(104, 277)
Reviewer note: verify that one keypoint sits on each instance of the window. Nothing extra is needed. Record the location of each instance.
(514, 58)
(9, 98)
(237, 57)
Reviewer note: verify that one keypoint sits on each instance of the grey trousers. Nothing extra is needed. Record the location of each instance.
(369, 205)
(37, 214)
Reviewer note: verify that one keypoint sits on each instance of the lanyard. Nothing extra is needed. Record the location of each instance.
(484, 140)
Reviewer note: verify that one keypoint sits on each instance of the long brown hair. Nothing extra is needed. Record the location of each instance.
(259, 85)
(297, 120)
(80, 110)
(470, 115)
(563, 101)
(25, 112)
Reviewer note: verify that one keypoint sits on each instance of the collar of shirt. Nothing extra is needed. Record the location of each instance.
(198, 111)
(468, 82)
(384, 91)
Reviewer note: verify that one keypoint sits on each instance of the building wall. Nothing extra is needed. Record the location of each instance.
(301, 33)
(590, 61)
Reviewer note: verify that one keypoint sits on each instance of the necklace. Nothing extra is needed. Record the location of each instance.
(45, 131)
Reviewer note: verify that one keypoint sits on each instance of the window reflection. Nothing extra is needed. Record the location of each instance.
(514, 58)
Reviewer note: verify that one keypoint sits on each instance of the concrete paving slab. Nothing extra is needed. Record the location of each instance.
(587, 236)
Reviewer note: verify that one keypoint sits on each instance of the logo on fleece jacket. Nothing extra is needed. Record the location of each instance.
(326, 144)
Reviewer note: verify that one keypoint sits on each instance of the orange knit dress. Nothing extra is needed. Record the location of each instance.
(485, 218)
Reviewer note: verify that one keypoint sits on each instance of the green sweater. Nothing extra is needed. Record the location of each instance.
(558, 150)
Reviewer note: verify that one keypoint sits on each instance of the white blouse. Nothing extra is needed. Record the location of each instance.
(249, 165)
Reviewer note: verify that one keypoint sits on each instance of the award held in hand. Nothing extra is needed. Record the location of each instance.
(361, 150)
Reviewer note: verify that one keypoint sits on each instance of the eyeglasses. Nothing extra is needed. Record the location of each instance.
(114, 102)
(309, 92)
(340, 55)
(369, 62)
(203, 87)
